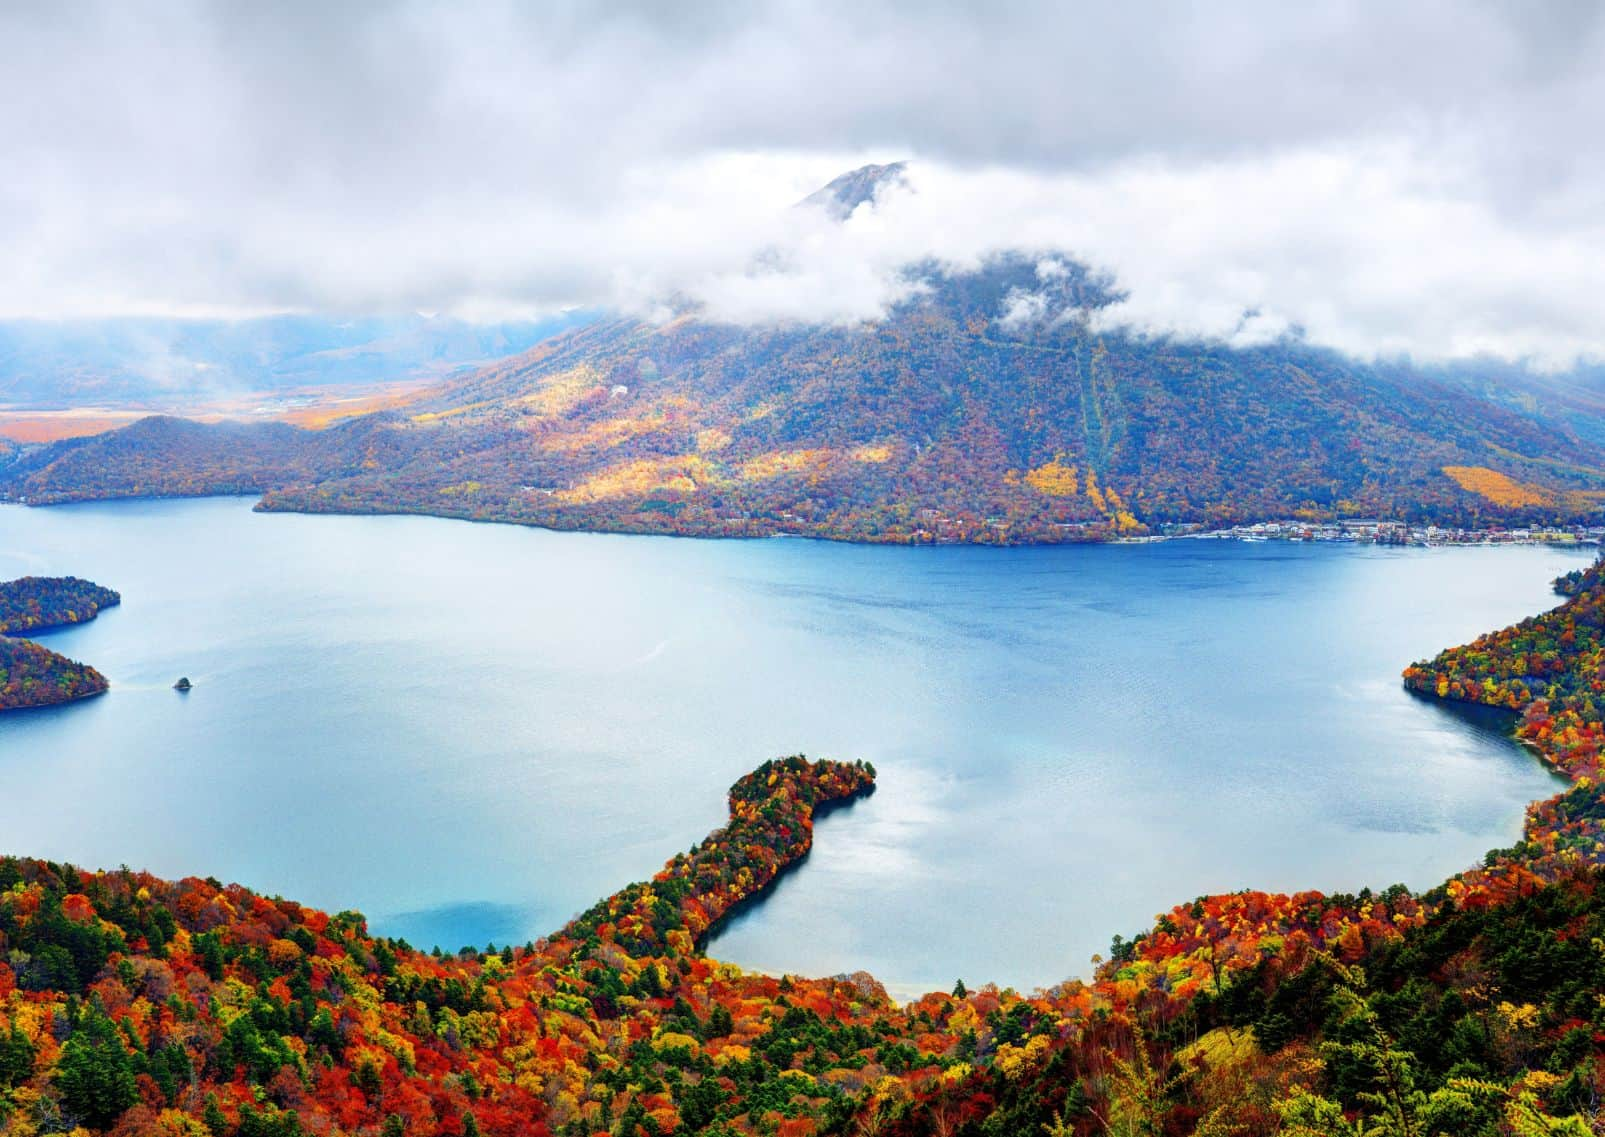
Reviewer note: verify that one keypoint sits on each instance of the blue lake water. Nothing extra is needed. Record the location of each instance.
(470, 732)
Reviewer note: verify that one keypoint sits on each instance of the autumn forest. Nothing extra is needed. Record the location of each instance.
(133, 1005)
(954, 419)
(831, 569)
(31, 675)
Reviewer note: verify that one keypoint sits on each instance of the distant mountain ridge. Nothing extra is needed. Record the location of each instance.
(154, 360)
(992, 405)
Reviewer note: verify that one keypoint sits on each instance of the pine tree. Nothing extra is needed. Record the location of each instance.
(95, 1073)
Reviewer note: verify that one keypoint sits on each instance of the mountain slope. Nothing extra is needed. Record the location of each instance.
(841, 195)
(949, 420)
(991, 406)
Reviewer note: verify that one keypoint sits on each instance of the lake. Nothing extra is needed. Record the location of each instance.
(471, 732)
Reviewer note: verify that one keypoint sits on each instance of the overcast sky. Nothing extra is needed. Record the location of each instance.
(1416, 177)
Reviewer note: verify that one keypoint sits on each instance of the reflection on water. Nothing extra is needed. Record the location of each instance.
(1496, 722)
(473, 732)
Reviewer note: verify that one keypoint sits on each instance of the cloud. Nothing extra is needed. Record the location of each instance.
(1388, 178)
(1373, 250)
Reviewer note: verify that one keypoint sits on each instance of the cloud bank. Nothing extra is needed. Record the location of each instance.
(1384, 178)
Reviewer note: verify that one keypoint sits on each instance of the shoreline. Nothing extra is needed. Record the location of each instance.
(67, 702)
(1377, 533)
(1362, 532)
(53, 666)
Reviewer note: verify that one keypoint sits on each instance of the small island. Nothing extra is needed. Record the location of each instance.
(32, 675)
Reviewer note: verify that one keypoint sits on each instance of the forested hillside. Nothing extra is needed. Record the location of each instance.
(991, 406)
(33, 603)
(134, 1005)
(35, 676)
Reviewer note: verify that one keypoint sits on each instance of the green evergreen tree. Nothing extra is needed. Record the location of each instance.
(720, 1024)
(212, 1117)
(16, 1058)
(95, 1074)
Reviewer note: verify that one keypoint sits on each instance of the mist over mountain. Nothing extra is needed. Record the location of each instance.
(846, 192)
(170, 361)
(1430, 199)
(995, 403)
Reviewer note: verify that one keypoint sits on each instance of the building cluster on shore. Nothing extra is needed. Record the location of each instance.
(1374, 532)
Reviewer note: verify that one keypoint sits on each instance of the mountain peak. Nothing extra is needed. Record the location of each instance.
(845, 193)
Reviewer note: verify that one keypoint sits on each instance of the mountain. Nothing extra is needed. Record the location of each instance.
(994, 404)
(841, 195)
(168, 361)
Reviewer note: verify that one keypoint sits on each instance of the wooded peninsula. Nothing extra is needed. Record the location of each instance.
(32, 675)
(132, 1004)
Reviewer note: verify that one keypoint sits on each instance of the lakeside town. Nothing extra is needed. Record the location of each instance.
(1376, 532)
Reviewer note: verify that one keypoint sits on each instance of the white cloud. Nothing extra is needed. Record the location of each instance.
(1369, 249)
(1386, 178)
